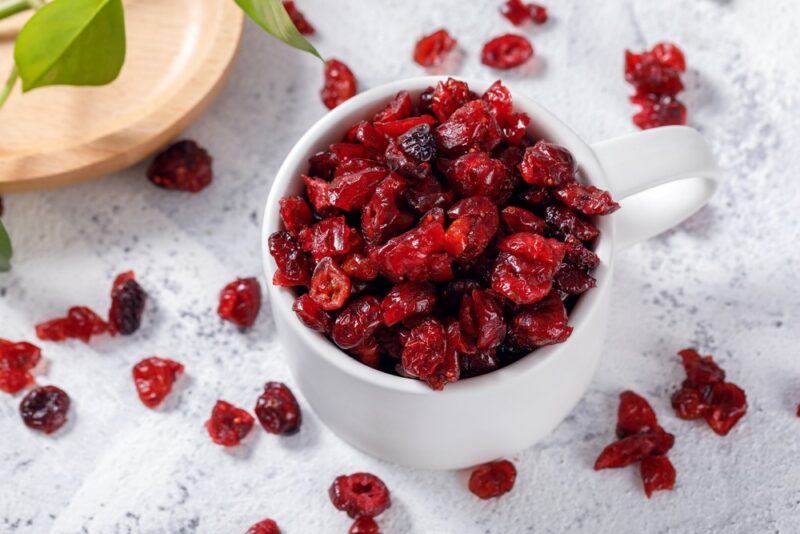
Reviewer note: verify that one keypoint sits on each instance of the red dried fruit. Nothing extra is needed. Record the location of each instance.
(356, 322)
(364, 525)
(426, 355)
(311, 314)
(586, 199)
(340, 83)
(403, 164)
(16, 362)
(153, 378)
(330, 237)
(541, 324)
(277, 409)
(493, 479)
(657, 474)
(418, 143)
(295, 214)
(477, 174)
(626, 451)
(184, 166)
(45, 409)
(266, 526)
(80, 323)
(475, 225)
(548, 164)
(431, 50)
(700, 370)
(293, 268)
(634, 415)
(408, 299)
(447, 97)
(521, 220)
(298, 19)
(481, 319)
(572, 281)
(228, 424)
(398, 108)
(565, 223)
(651, 74)
(518, 12)
(578, 255)
(350, 192)
(670, 55)
(322, 164)
(470, 127)
(359, 267)
(127, 305)
(368, 353)
(478, 364)
(428, 194)
(330, 286)
(658, 110)
(513, 125)
(240, 302)
(401, 126)
(727, 404)
(360, 495)
(538, 13)
(689, 403)
(523, 271)
(506, 51)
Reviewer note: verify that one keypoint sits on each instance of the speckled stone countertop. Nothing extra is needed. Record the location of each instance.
(725, 281)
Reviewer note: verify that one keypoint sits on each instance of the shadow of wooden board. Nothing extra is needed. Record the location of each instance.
(179, 54)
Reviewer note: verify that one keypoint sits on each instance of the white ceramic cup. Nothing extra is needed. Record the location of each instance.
(660, 176)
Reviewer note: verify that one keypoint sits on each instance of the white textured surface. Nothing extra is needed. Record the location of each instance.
(727, 281)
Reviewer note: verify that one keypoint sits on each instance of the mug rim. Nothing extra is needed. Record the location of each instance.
(289, 172)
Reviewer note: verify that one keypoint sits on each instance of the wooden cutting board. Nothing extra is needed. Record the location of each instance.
(179, 54)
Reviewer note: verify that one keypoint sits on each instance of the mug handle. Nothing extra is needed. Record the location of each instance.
(660, 176)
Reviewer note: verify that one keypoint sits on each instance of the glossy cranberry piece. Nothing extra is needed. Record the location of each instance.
(330, 286)
(240, 302)
(481, 319)
(16, 362)
(311, 314)
(127, 304)
(518, 12)
(477, 174)
(298, 19)
(266, 526)
(398, 108)
(657, 474)
(521, 220)
(523, 271)
(506, 51)
(689, 403)
(360, 495)
(727, 404)
(184, 166)
(650, 73)
(277, 409)
(364, 525)
(295, 214)
(571, 280)
(475, 224)
(578, 255)
(700, 370)
(330, 237)
(340, 83)
(408, 299)
(469, 128)
(447, 97)
(418, 143)
(432, 49)
(626, 451)
(586, 199)
(426, 355)
(80, 323)
(543, 323)
(658, 110)
(154, 377)
(547, 164)
(45, 409)
(356, 322)
(293, 268)
(564, 222)
(228, 424)
(401, 126)
(493, 479)
(634, 415)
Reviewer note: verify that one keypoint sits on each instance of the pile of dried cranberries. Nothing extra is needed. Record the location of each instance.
(437, 240)
(656, 76)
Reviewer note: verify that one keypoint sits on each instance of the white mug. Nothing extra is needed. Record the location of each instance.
(659, 176)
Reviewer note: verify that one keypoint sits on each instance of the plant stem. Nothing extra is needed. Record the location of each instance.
(6, 89)
(12, 7)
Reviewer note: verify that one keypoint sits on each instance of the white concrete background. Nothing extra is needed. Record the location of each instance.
(726, 281)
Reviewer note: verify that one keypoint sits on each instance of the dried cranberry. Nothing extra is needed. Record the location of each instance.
(540, 324)
(521, 220)
(670, 55)
(16, 362)
(586, 199)
(447, 97)
(330, 286)
(426, 355)
(356, 322)
(184, 166)
(478, 364)
(403, 164)
(398, 108)
(565, 223)
(406, 300)
(266, 526)
(475, 225)
(293, 268)
(547, 164)
(578, 255)
(523, 271)
(45, 409)
(153, 378)
(727, 404)
(228, 424)
(493, 479)
(477, 174)
(364, 525)
(418, 143)
(322, 164)
(298, 19)
(401, 126)
(658, 110)
(538, 13)
(240, 302)
(431, 50)
(311, 314)
(689, 403)
(360, 495)
(359, 267)
(634, 415)
(428, 194)
(295, 214)
(626, 451)
(652, 74)
(329, 237)
(127, 304)
(481, 319)
(340, 83)
(80, 323)
(573, 281)
(417, 255)
(700, 370)
(518, 12)
(657, 474)
(470, 127)
(506, 51)
(277, 409)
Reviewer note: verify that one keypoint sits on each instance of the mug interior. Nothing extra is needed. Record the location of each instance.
(330, 129)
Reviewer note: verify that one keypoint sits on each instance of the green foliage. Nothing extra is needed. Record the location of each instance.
(5, 249)
(272, 17)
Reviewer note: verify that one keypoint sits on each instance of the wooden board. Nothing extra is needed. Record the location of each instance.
(179, 54)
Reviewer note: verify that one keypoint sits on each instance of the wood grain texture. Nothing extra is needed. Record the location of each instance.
(179, 54)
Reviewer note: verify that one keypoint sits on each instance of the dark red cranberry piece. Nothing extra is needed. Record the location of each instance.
(506, 51)
(538, 13)
(493, 479)
(564, 222)
(127, 304)
(45, 409)
(447, 97)
(359, 267)
(521, 220)
(311, 314)
(184, 166)
(80, 323)
(652, 74)
(277, 409)
(298, 19)
(330, 237)
(476, 223)
(523, 271)
(547, 164)
(626, 451)
(401, 126)
(399, 107)
(266, 526)
(670, 55)
(478, 364)
(408, 299)
(634, 415)
(322, 164)
(571, 280)
(470, 127)
(700, 370)
(658, 110)
(432, 49)
(418, 143)
(340, 83)
(360, 495)
(689, 403)
(16, 362)
(477, 174)
(154, 377)
(578, 255)
(293, 268)
(240, 302)
(428, 194)
(295, 214)
(727, 404)
(586, 199)
(657, 474)
(356, 322)
(543, 323)
(228, 424)
(330, 286)
(518, 12)
(426, 355)
(481, 319)
(364, 525)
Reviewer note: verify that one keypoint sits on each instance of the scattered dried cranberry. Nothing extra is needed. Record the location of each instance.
(184, 166)
(506, 51)
(80, 323)
(689, 403)
(228, 424)
(16, 362)
(364, 525)
(360, 495)
(634, 415)
(657, 474)
(650, 74)
(240, 302)
(340, 83)
(658, 111)
(154, 377)
(656, 76)
(518, 12)
(431, 50)
(493, 479)
(45, 409)
(727, 404)
(127, 305)
(266, 526)
(277, 409)
(298, 19)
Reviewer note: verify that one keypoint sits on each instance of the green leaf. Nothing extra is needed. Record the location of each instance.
(272, 16)
(5, 249)
(72, 42)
